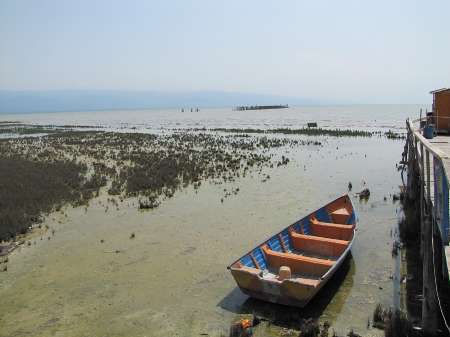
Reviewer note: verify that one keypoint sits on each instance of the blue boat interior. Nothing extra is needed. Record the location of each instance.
(282, 242)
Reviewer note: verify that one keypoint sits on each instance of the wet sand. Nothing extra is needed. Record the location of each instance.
(171, 279)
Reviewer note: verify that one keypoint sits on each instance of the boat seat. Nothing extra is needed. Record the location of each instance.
(331, 230)
(340, 215)
(297, 263)
(336, 225)
(318, 245)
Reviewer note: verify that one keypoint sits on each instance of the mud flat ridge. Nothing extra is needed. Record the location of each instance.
(41, 174)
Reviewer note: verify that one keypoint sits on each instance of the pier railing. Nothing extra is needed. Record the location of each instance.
(434, 178)
(428, 189)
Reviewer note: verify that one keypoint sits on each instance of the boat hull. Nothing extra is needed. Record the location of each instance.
(288, 292)
(251, 272)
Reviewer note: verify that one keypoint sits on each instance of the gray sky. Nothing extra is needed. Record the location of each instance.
(343, 51)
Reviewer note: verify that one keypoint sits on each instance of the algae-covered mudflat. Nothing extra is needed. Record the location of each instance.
(105, 267)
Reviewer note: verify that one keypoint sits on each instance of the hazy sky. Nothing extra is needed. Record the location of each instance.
(382, 51)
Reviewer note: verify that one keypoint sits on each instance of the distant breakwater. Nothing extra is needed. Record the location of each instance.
(260, 107)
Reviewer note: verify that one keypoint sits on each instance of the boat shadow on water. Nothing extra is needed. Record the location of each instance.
(291, 317)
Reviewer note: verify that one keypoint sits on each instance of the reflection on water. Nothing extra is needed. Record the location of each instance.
(171, 279)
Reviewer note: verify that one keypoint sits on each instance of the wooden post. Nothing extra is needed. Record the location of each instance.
(430, 321)
(412, 152)
(422, 198)
(409, 163)
(428, 177)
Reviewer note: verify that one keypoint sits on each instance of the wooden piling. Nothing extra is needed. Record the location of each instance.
(430, 322)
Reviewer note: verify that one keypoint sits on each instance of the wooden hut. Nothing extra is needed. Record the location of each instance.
(441, 110)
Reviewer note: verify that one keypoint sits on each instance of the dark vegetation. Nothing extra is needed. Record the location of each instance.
(40, 174)
(29, 188)
(308, 328)
(18, 128)
(393, 322)
(21, 130)
(311, 131)
(394, 135)
(28, 129)
(379, 316)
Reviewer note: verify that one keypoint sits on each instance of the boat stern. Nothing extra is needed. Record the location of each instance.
(266, 287)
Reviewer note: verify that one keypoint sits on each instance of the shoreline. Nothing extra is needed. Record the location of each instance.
(74, 166)
(11, 129)
(259, 205)
(134, 175)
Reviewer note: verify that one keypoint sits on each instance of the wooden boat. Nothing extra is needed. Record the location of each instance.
(294, 264)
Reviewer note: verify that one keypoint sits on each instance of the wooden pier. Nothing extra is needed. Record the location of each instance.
(427, 163)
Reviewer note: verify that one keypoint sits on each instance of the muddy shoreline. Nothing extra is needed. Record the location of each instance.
(71, 167)
(253, 185)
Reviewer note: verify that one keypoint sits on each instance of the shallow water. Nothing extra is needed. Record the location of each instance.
(368, 117)
(171, 279)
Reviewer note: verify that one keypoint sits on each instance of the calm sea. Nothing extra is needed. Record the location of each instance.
(370, 117)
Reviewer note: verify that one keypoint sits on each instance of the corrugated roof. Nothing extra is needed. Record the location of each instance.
(439, 90)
